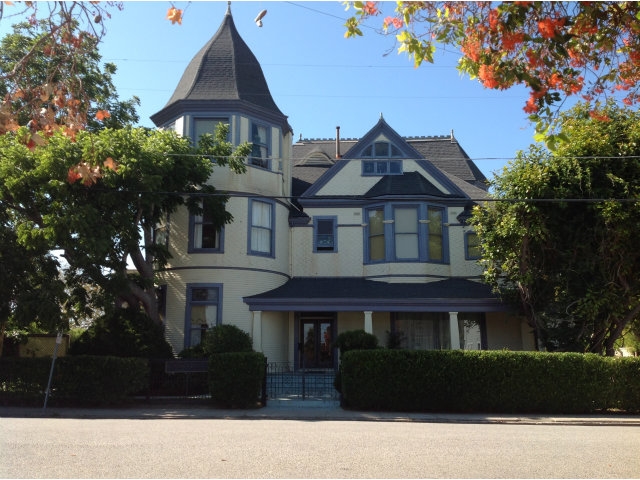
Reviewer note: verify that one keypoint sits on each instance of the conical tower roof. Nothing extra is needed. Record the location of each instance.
(223, 75)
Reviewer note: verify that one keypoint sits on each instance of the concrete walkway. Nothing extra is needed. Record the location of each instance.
(309, 410)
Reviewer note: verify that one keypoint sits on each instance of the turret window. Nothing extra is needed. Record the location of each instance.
(205, 125)
(260, 146)
(205, 236)
(261, 228)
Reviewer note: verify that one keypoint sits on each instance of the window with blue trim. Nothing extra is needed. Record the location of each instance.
(472, 246)
(205, 125)
(260, 146)
(435, 216)
(205, 235)
(381, 167)
(261, 228)
(382, 152)
(325, 238)
(204, 302)
(405, 232)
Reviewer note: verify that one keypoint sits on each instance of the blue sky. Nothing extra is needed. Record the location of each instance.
(318, 78)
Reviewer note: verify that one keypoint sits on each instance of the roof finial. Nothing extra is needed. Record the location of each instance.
(381, 116)
(229, 7)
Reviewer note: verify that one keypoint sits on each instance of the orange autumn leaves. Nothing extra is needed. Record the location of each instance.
(89, 174)
(555, 49)
(174, 15)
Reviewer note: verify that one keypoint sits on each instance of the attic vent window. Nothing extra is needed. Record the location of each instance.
(381, 167)
(381, 150)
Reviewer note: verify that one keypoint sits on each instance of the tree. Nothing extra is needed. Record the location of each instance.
(555, 49)
(44, 65)
(560, 238)
(100, 223)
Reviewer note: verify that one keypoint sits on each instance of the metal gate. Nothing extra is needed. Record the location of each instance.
(282, 382)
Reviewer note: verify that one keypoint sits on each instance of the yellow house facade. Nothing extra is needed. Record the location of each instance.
(327, 235)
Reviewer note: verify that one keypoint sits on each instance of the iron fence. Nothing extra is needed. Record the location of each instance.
(282, 381)
(188, 379)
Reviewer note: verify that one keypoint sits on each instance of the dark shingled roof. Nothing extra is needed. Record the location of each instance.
(444, 152)
(224, 69)
(410, 183)
(355, 293)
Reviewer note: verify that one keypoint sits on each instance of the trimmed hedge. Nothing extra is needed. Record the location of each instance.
(77, 380)
(489, 381)
(235, 379)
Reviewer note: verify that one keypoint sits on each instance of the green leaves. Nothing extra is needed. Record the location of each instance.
(99, 227)
(564, 237)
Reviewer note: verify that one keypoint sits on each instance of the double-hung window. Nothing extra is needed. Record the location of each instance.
(261, 228)
(205, 236)
(260, 146)
(376, 234)
(471, 246)
(204, 303)
(324, 234)
(436, 234)
(406, 237)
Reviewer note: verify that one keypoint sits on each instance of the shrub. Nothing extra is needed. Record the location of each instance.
(77, 380)
(489, 381)
(226, 339)
(356, 340)
(123, 334)
(235, 379)
(352, 340)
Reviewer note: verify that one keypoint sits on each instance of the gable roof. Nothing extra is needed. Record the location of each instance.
(224, 74)
(443, 152)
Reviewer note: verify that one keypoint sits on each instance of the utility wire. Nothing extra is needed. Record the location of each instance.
(434, 199)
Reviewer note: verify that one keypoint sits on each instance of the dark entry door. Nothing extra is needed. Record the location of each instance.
(316, 339)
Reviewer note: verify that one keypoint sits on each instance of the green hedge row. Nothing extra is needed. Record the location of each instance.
(489, 381)
(235, 379)
(77, 380)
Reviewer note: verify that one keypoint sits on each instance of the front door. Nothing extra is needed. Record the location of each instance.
(316, 342)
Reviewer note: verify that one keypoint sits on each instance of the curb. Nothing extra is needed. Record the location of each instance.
(316, 411)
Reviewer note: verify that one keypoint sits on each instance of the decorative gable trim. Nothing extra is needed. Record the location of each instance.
(382, 128)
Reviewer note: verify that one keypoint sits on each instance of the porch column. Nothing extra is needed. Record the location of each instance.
(256, 331)
(454, 332)
(368, 322)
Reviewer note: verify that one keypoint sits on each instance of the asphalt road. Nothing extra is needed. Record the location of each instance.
(268, 448)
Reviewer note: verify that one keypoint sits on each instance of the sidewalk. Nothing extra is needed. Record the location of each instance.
(309, 410)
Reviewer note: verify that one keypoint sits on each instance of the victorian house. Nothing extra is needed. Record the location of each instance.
(328, 235)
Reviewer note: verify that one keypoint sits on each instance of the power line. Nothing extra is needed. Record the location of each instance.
(438, 159)
(362, 198)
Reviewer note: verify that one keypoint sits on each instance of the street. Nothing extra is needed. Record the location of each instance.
(265, 448)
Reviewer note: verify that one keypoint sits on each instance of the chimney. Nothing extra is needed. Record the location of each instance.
(338, 155)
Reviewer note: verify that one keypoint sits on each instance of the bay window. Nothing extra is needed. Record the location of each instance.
(405, 233)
